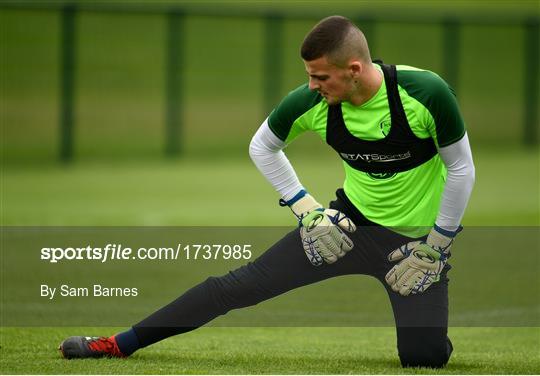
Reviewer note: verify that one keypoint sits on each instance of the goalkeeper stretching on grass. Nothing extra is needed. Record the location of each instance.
(409, 174)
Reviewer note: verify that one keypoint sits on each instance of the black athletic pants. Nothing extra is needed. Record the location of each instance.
(421, 320)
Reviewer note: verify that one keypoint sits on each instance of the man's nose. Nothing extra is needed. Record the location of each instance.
(313, 85)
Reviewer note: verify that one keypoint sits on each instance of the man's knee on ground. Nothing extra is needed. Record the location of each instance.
(429, 358)
(429, 348)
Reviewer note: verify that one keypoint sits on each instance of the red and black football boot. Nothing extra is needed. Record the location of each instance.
(90, 347)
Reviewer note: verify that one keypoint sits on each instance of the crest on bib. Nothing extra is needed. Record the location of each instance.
(385, 126)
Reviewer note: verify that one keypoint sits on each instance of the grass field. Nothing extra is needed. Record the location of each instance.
(276, 351)
(160, 194)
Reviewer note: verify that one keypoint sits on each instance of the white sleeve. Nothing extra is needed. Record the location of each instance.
(265, 149)
(459, 183)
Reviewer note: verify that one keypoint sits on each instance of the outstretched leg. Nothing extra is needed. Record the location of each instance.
(281, 268)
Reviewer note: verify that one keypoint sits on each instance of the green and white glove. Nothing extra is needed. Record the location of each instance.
(420, 263)
(321, 230)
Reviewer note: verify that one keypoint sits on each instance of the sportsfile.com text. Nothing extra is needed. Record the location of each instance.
(118, 252)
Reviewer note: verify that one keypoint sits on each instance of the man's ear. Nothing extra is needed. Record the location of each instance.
(356, 68)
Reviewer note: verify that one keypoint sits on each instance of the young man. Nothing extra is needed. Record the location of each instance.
(409, 174)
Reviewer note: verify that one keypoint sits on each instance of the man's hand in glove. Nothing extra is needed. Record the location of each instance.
(323, 236)
(420, 263)
(321, 229)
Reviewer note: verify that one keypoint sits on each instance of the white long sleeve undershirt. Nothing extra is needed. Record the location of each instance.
(457, 158)
(266, 151)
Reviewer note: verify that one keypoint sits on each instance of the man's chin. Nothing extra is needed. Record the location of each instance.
(332, 101)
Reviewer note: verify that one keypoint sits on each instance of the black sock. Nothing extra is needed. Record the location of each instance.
(127, 342)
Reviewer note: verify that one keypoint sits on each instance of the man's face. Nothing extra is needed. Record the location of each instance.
(335, 84)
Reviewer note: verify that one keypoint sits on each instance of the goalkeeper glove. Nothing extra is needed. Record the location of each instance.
(420, 263)
(323, 237)
(321, 230)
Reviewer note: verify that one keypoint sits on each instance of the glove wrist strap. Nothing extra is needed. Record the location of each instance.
(441, 239)
(447, 233)
(301, 204)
